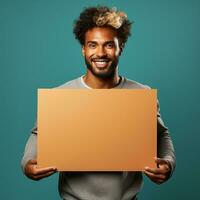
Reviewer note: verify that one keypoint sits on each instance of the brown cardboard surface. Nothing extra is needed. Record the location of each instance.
(98, 129)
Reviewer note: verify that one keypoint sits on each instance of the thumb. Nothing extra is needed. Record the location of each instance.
(160, 161)
(33, 161)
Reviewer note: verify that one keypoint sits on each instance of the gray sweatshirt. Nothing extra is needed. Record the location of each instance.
(104, 185)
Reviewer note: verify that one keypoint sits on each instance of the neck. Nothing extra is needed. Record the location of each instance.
(101, 83)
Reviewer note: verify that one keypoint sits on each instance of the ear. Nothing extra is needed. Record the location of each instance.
(83, 50)
(121, 48)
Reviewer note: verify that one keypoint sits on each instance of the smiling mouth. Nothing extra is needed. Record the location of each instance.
(100, 63)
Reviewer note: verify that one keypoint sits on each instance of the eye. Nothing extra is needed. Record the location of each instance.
(110, 45)
(92, 45)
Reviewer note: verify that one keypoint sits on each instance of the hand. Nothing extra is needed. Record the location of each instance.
(159, 174)
(35, 173)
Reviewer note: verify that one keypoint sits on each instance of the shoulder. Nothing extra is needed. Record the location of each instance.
(75, 83)
(131, 84)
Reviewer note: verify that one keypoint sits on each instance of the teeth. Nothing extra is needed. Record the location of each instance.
(100, 62)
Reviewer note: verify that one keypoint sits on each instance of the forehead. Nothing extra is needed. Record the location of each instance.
(100, 34)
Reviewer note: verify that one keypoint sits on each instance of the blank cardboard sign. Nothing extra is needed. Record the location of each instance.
(98, 129)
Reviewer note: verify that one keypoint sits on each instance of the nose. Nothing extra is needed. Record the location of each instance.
(101, 51)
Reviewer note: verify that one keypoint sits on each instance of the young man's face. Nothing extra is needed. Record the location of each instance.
(101, 51)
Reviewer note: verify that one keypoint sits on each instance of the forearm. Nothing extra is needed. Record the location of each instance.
(165, 145)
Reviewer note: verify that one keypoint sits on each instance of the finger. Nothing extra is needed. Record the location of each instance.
(155, 176)
(164, 167)
(160, 161)
(154, 170)
(40, 171)
(156, 180)
(33, 161)
(38, 177)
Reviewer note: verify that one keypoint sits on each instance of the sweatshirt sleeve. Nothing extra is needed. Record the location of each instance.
(165, 146)
(30, 151)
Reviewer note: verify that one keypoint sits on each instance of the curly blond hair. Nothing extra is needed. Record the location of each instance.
(102, 16)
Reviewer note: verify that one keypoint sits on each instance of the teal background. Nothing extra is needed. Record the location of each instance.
(38, 49)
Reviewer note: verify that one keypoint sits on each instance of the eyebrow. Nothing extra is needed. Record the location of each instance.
(107, 42)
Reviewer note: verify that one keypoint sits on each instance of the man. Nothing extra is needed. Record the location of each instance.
(103, 32)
